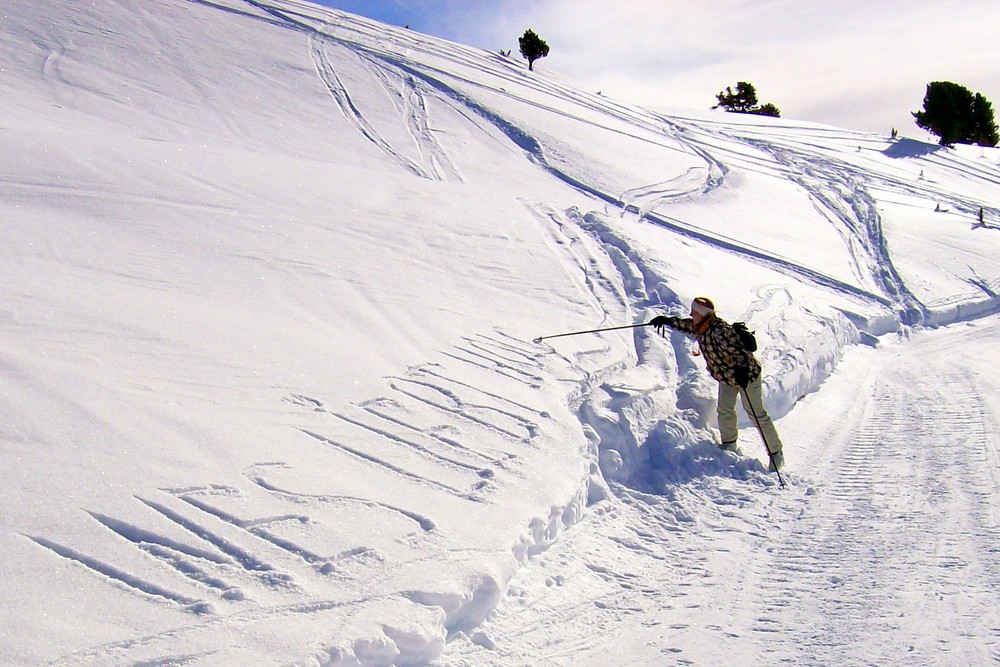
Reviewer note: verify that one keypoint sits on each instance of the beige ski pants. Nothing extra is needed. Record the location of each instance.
(728, 421)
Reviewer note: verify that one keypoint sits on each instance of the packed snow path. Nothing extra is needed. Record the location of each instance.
(884, 549)
(903, 527)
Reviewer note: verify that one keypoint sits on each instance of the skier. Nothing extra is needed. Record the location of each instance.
(736, 370)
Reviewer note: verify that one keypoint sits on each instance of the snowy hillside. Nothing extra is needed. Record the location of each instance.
(269, 391)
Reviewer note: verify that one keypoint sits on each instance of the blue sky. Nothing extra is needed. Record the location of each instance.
(858, 64)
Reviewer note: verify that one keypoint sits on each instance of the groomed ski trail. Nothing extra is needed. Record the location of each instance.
(890, 533)
(886, 521)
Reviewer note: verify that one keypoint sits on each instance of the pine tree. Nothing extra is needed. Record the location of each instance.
(767, 110)
(948, 113)
(986, 126)
(744, 100)
(533, 47)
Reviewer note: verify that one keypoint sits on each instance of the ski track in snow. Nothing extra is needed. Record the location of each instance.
(246, 567)
(848, 194)
(351, 111)
(842, 190)
(422, 155)
(429, 160)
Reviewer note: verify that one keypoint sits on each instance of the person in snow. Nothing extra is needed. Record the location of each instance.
(734, 367)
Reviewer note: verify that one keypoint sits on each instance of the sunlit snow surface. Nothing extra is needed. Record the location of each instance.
(269, 391)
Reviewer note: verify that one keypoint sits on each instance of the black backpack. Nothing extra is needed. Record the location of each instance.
(747, 339)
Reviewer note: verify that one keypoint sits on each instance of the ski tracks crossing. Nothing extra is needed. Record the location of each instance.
(408, 138)
(324, 546)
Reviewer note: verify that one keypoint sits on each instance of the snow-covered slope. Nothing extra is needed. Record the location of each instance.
(268, 386)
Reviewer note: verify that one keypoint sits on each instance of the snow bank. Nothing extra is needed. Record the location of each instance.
(800, 341)
(653, 425)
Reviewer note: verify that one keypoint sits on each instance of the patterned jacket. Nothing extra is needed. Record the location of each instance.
(721, 347)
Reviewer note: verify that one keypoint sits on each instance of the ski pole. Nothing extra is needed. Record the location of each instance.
(590, 331)
(753, 413)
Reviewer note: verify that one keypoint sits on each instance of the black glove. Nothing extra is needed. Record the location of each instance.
(660, 322)
(742, 376)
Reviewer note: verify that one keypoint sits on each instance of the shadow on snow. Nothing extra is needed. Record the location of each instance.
(669, 458)
(904, 148)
